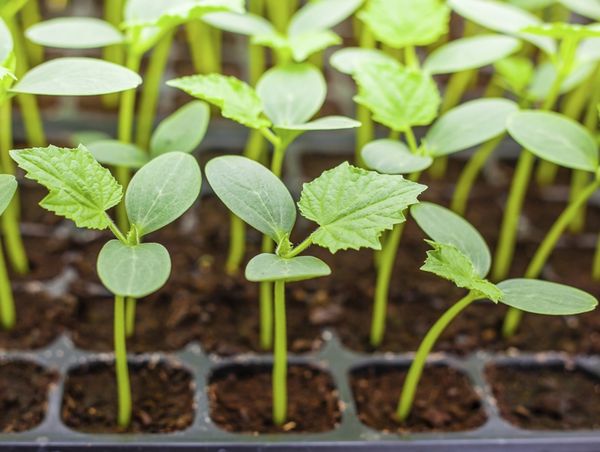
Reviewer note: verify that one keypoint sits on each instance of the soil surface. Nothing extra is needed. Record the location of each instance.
(23, 395)
(162, 399)
(241, 400)
(547, 398)
(444, 402)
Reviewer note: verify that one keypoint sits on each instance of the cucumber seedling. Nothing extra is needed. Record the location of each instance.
(461, 255)
(8, 187)
(81, 190)
(352, 207)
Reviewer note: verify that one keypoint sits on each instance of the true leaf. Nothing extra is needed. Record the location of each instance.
(117, 153)
(162, 191)
(80, 189)
(133, 271)
(74, 33)
(236, 99)
(270, 267)
(542, 297)
(321, 15)
(181, 131)
(246, 24)
(469, 124)
(470, 53)
(77, 77)
(325, 123)
(401, 23)
(556, 138)
(393, 157)
(349, 59)
(353, 206)
(8, 187)
(445, 227)
(399, 98)
(254, 194)
(448, 262)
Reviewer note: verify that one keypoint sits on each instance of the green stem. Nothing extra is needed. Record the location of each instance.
(266, 303)
(30, 15)
(113, 14)
(410, 57)
(300, 247)
(535, 267)
(7, 303)
(151, 90)
(279, 14)
(203, 48)
(280, 357)
(122, 371)
(130, 305)
(596, 263)
(416, 368)
(237, 244)
(469, 174)
(366, 132)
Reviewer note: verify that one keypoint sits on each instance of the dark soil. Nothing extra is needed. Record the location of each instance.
(40, 320)
(547, 398)
(46, 256)
(444, 402)
(162, 399)
(23, 395)
(241, 400)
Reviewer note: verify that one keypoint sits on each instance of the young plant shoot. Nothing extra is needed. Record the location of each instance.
(81, 190)
(8, 187)
(365, 205)
(461, 255)
(280, 108)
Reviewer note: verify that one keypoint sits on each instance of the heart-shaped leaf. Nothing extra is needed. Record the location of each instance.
(162, 191)
(556, 138)
(322, 15)
(270, 267)
(117, 153)
(254, 194)
(469, 124)
(8, 187)
(77, 77)
(349, 59)
(133, 271)
(543, 297)
(393, 157)
(74, 33)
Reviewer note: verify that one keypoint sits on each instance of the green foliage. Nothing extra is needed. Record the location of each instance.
(515, 73)
(117, 153)
(349, 59)
(588, 8)
(74, 33)
(8, 187)
(246, 24)
(563, 30)
(393, 157)
(270, 267)
(299, 47)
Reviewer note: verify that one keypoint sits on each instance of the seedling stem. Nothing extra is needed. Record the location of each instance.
(123, 386)
(280, 357)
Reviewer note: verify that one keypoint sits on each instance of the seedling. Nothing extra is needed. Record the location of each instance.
(81, 190)
(461, 255)
(280, 108)
(8, 187)
(352, 207)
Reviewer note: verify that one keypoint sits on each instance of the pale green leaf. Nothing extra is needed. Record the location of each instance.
(74, 33)
(237, 100)
(6, 42)
(393, 157)
(254, 194)
(401, 23)
(77, 77)
(321, 15)
(325, 123)
(117, 153)
(556, 138)
(542, 297)
(306, 44)
(80, 189)
(162, 191)
(246, 24)
(588, 8)
(468, 125)
(588, 50)
(181, 131)
(292, 94)
(353, 206)
(398, 97)
(448, 262)
(8, 187)
(133, 271)
(515, 73)
(348, 60)
(470, 53)
(445, 227)
(545, 75)
(533, 5)
(270, 267)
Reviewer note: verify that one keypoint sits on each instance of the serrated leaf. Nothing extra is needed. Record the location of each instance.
(162, 191)
(133, 271)
(349, 59)
(543, 297)
(515, 73)
(8, 187)
(556, 138)
(587, 8)
(321, 15)
(254, 194)
(80, 189)
(393, 157)
(470, 53)
(117, 153)
(246, 24)
(77, 77)
(270, 267)
(444, 226)
(74, 33)
(182, 130)
(398, 97)
(237, 100)
(448, 262)
(325, 123)
(468, 125)
(353, 206)
(401, 23)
